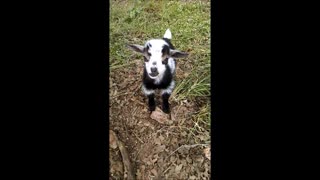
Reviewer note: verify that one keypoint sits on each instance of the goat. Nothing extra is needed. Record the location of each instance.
(159, 68)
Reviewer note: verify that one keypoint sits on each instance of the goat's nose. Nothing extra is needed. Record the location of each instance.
(153, 69)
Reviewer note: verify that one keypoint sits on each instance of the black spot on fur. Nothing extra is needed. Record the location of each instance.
(169, 42)
(146, 49)
(171, 47)
(165, 61)
(165, 50)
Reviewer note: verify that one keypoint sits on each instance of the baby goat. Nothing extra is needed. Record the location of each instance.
(159, 68)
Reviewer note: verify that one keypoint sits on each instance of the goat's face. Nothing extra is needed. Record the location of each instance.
(156, 53)
(156, 57)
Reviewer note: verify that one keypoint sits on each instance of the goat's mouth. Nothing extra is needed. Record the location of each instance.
(153, 74)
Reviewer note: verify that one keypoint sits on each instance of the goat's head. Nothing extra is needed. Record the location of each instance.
(156, 53)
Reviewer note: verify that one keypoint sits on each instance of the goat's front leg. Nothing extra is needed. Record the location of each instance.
(150, 94)
(165, 97)
(152, 103)
(165, 103)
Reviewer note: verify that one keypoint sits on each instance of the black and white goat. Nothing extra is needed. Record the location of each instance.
(159, 68)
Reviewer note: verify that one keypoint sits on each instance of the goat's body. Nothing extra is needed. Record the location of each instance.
(159, 69)
(165, 82)
(160, 83)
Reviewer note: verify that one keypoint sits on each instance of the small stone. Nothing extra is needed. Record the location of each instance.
(159, 116)
(154, 172)
(178, 168)
(113, 139)
(207, 153)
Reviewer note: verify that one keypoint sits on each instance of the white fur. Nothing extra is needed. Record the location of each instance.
(168, 34)
(172, 65)
(169, 89)
(158, 79)
(147, 91)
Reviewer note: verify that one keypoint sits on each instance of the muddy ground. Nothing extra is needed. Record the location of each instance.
(174, 149)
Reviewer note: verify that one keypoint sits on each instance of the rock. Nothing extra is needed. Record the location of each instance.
(154, 172)
(207, 153)
(113, 139)
(178, 168)
(159, 116)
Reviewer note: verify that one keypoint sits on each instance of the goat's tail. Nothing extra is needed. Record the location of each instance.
(167, 34)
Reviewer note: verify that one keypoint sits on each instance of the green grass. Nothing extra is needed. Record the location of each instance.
(136, 21)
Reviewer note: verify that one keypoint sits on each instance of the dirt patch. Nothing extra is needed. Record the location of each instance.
(158, 146)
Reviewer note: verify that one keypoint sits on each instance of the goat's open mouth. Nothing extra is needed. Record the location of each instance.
(153, 74)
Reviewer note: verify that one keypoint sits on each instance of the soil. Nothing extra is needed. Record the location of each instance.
(159, 146)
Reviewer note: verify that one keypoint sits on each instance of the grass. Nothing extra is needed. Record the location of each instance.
(136, 21)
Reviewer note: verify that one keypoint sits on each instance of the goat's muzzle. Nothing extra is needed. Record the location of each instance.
(154, 72)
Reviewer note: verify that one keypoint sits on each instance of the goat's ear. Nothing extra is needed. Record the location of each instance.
(136, 47)
(177, 54)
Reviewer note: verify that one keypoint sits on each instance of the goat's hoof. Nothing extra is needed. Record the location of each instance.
(152, 108)
(166, 110)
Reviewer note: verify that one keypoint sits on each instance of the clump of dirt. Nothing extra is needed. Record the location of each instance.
(159, 146)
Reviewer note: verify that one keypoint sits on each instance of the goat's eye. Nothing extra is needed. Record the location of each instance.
(149, 54)
(165, 61)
